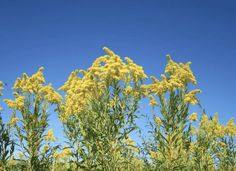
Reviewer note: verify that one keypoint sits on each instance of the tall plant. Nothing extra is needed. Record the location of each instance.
(30, 117)
(99, 111)
(7, 145)
(171, 133)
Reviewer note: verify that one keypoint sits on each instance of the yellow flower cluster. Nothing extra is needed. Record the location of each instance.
(158, 121)
(18, 103)
(30, 85)
(130, 144)
(64, 154)
(177, 76)
(1, 88)
(212, 127)
(13, 121)
(191, 98)
(128, 141)
(153, 101)
(50, 94)
(50, 136)
(193, 116)
(103, 72)
(231, 128)
(45, 148)
(180, 72)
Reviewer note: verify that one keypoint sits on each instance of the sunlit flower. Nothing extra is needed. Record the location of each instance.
(50, 136)
(193, 116)
(158, 121)
(153, 101)
(191, 97)
(13, 121)
(231, 128)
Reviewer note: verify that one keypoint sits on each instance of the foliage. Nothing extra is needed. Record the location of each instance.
(98, 113)
(31, 102)
(6, 143)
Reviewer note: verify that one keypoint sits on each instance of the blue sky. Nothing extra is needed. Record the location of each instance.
(66, 35)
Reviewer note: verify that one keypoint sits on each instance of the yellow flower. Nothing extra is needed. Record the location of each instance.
(128, 90)
(13, 121)
(64, 154)
(1, 87)
(231, 128)
(104, 71)
(50, 136)
(128, 141)
(45, 148)
(191, 97)
(193, 116)
(18, 103)
(153, 101)
(32, 85)
(50, 94)
(158, 121)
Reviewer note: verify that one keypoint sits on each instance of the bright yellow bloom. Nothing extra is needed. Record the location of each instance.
(177, 76)
(128, 141)
(18, 103)
(181, 72)
(191, 97)
(153, 101)
(104, 71)
(32, 85)
(193, 116)
(1, 87)
(50, 94)
(50, 136)
(128, 90)
(231, 128)
(64, 154)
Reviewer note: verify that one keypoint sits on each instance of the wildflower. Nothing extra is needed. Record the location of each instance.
(128, 141)
(17, 104)
(231, 128)
(13, 121)
(45, 148)
(153, 101)
(104, 70)
(1, 87)
(191, 97)
(65, 153)
(158, 121)
(50, 136)
(193, 116)
(128, 90)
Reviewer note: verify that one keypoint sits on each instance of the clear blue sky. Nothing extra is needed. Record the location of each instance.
(66, 35)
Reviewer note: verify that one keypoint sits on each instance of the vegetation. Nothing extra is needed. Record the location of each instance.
(99, 111)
